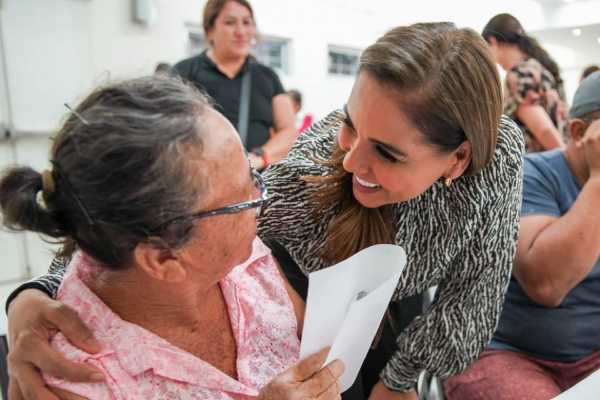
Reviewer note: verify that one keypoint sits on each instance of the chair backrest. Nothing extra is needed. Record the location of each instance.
(3, 366)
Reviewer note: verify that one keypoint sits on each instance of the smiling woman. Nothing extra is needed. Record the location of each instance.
(233, 77)
(420, 157)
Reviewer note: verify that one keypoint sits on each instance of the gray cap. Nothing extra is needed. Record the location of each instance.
(587, 96)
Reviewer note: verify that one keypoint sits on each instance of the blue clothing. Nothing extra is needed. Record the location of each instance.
(571, 331)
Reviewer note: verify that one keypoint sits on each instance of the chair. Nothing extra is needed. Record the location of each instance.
(429, 387)
(3, 366)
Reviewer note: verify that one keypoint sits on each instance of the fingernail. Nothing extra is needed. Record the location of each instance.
(97, 376)
(339, 367)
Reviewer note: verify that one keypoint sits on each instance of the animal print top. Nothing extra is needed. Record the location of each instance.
(530, 83)
(461, 239)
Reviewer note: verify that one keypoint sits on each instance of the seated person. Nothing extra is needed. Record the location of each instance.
(154, 189)
(302, 122)
(548, 338)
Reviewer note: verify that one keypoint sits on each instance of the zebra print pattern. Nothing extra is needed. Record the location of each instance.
(461, 238)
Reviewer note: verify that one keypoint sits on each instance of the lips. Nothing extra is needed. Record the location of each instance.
(366, 184)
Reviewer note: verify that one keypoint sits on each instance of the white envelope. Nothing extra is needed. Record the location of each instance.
(587, 389)
(346, 303)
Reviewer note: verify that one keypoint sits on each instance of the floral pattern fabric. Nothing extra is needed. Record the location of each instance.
(530, 83)
(140, 365)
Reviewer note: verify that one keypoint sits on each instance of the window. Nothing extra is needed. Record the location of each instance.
(343, 61)
(196, 40)
(270, 50)
(273, 51)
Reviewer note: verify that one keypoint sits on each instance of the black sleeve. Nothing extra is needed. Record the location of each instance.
(277, 85)
(48, 283)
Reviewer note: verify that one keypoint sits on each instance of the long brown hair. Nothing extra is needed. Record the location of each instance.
(505, 28)
(446, 82)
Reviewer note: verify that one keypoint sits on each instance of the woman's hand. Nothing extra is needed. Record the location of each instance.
(33, 318)
(306, 380)
(380, 392)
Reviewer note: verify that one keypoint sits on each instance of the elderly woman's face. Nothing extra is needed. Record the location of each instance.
(223, 241)
(390, 159)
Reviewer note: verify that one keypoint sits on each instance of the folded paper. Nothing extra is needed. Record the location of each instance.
(346, 304)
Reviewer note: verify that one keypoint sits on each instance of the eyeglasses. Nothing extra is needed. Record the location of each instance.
(259, 183)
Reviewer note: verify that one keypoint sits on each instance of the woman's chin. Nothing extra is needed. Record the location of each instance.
(367, 200)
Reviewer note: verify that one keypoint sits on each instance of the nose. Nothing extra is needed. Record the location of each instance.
(239, 28)
(356, 160)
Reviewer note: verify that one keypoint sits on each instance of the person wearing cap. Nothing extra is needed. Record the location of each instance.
(548, 337)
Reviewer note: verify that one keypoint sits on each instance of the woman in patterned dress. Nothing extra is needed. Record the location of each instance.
(421, 157)
(533, 93)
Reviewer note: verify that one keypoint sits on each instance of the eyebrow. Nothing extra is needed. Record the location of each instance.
(388, 147)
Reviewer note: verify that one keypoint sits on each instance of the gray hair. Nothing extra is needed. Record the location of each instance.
(120, 171)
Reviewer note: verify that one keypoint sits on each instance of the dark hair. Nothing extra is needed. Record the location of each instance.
(163, 68)
(119, 169)
(589, 70)
(296, 96)
(213, 8)
(507, 29)
(445, 80)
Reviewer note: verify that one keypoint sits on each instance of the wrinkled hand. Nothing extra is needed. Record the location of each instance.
(33, 318)
(380, 392)
(591, 147)
(306, 380)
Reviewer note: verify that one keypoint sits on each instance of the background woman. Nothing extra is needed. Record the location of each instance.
(534, 95)
(419, 157)
(220, 71)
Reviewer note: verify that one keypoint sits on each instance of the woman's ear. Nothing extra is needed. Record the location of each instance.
(460, 161)
(159, 262)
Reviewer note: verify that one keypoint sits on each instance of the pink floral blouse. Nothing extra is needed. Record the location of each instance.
(140, 365)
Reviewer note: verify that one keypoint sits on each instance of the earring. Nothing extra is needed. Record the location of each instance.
(448, 182)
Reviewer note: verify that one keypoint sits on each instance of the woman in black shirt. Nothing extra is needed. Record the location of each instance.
(220, 71)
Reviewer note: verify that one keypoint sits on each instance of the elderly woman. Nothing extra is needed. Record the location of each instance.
(420, 157)
(154, 188)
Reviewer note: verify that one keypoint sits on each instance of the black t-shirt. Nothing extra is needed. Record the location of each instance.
(203, 72)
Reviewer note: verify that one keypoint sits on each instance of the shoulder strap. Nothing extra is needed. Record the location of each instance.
(244, 111)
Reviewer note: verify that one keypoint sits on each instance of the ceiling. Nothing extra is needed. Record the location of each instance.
(585, 46)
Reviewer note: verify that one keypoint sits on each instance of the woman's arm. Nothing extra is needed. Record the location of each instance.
(33, 317)
(48, 283)
(540, 125)
(462, 320)
(285, 133)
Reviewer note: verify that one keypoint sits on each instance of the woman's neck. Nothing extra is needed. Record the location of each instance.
(228, 65)
(156, 305)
